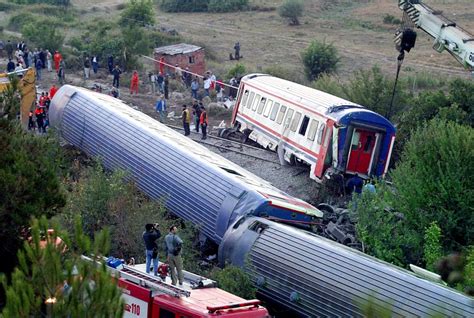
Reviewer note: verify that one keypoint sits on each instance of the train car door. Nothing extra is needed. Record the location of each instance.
(360, 153)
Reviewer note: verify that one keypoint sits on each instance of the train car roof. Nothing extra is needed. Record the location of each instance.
(306, 97)
(175, 139)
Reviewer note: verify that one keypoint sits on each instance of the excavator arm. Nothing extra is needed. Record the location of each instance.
(446, 34)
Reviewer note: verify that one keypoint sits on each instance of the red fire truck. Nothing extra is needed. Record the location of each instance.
(148, 296)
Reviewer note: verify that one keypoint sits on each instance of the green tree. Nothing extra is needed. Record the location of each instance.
(234, 280)
(10, 99)
(292, 10)
(138, 13)
(53, 273)
(48, 36)
(29, 184)
(319, 58)
(432, 246)
(432, 183)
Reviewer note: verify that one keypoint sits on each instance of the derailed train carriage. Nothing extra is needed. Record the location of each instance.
(328, 133)
(315, 277)
(302, 272)
(194, 183)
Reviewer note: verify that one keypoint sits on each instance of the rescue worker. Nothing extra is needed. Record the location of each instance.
(39, 113)
(31, 123)
(197, 114)
(52, 91)
(186, 120)
(116, 73)
(150, 235)
(134, 83)
(203, 121)
(173, 248)
(57, 58)
(162, 65)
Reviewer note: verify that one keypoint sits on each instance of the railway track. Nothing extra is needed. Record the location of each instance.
(224, 145)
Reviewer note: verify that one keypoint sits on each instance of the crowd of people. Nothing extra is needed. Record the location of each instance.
(38, 119)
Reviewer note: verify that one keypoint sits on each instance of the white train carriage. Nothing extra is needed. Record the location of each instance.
(307, 125)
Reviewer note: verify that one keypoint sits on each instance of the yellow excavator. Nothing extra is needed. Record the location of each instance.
(27, 88)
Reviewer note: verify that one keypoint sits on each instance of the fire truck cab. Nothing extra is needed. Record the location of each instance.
(148, 296)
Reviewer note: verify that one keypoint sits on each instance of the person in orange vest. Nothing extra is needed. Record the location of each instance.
(39, 113)
(57, 57)
(42, 99)
(203, 121)
(134, 83)
(162, 65)
(52, 91)
(31, 123)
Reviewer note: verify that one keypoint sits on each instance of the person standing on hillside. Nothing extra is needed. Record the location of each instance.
(197, 114)
(203, 121)
(52, 91)
(39, 69)
(116, 73)
(57, 57)
(194, 88)
(134, 83)
(10, 66)
(166, 85)
(87, 67)
(95, 64)
(110, 63)
(48, 61)
(61, 74)
(161, 108)
(186, 120)
(162, 65)
(9, 48)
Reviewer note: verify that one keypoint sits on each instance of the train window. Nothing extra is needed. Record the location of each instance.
(304, 125)
(368, 144)
(355, 140)
(245, 97)
(289, 115)
(313, 128)
(296, 121)
(252, 95)
(320, 133)
(166, 313)
(268, 107)
(257, 99)
(274, 113)
(281, 114)
(261, 105)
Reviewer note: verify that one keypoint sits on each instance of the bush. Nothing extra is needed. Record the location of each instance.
(184, 5)
(319, 58)
(390, 19)
(138, 13)
(238, 70)
(234, 280)
(432, 185)
(48, 36)
(292, 10)
(17, 21)
(227, 5)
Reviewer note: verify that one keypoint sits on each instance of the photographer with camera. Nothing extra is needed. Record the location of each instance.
(150, 236)
(173, 248)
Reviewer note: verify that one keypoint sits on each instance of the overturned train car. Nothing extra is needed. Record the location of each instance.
(315, 277)
(193, 182)
(309, 275)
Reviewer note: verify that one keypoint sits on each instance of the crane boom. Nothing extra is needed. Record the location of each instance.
(447, 35)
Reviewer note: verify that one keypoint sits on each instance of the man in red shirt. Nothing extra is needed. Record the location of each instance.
(52, 91)
(203, 121)
(57, 57)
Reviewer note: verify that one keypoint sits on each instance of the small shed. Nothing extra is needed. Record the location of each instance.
(185, 55)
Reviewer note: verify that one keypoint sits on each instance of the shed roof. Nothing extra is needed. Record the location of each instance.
(181, 48)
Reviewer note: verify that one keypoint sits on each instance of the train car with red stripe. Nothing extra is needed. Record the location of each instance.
(328, 133)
